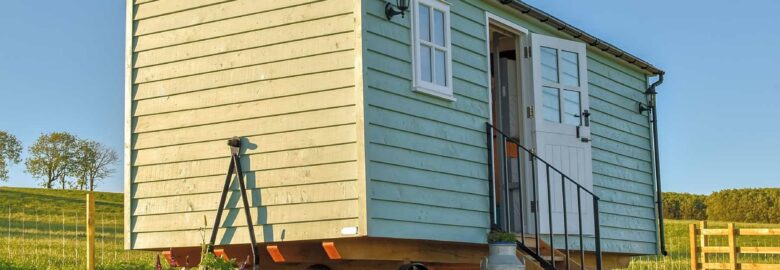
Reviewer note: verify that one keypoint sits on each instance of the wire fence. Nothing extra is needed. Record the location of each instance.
(40, 239)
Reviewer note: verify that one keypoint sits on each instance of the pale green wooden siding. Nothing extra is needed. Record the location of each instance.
(427, 172)
(426, 156)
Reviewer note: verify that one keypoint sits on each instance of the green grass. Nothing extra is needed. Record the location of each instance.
(45, 229)
(678, 245)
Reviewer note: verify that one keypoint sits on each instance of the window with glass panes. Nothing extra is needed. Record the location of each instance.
(432, 67)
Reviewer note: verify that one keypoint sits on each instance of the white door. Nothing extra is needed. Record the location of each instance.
(562, 131)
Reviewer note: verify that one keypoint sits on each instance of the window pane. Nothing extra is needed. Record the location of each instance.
(425, 63)
(551, 110)
(438, 26)
(425, 22)
(570, 74)
(550, 64)
(440, 68)
(571, 107)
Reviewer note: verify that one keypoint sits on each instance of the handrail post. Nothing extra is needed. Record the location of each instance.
(549, 215)
(535, 203)
(597, 231)
(579, 223)
(491, 189)
(565, 220)
(520, 196)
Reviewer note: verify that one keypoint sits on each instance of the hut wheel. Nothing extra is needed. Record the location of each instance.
(318, 267)
(413, 266)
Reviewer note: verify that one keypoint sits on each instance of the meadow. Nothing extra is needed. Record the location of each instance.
(678, 246)
(45, 229)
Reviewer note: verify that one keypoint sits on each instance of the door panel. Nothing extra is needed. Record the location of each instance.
(562, 131)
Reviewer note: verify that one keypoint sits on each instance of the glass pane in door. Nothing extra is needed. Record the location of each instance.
(570, 74)
(571, 107)
(551, 110)
(549, 64)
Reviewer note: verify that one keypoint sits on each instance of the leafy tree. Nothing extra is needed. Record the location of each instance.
(51, 158)
(685, 206)
(92, 163)
(10, 152)
(745, 205)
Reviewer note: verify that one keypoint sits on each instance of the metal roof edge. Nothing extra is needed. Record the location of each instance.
(582, 35)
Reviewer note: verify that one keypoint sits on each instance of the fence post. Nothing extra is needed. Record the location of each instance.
(703, 244)
(694, 261)
(732, 247)
(90, 231)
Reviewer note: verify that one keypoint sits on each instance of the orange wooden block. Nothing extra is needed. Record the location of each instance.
(330, 249)
(276, 255)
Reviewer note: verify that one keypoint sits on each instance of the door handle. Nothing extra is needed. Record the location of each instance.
(586, 115)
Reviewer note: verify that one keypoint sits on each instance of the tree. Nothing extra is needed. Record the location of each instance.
(92, 163)
(51, 158)
(10, 152)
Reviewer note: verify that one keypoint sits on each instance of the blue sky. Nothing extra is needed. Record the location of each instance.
(61, 69)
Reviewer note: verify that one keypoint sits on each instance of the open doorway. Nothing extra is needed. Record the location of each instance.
(509, 117)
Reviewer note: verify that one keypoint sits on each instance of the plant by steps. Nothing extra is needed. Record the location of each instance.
(501, 237)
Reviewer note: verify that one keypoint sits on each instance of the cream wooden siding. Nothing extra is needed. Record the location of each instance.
(281, 74)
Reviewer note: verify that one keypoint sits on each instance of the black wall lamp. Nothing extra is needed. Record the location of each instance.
(650, 94)
(401, 5)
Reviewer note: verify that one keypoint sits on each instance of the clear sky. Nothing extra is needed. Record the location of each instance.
(61, 69)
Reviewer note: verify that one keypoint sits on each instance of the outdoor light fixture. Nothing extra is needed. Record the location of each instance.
(650, 93)
(401, 5)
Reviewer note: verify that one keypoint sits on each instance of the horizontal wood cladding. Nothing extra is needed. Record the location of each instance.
(427, 166)
(266, 143)
(246, 40)
(272, 214)
(322, 229)
(283, 177)
(263, 161)
(224, 10)
(427, 156)
(236, 25)
(288, 195)
(250, 127)
(254, 109)
(280, 74)
(229, 77)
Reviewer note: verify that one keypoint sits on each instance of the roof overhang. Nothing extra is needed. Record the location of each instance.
(585, 37)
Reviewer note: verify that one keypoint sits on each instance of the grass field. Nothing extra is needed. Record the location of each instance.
(44, 229)
(678, 245)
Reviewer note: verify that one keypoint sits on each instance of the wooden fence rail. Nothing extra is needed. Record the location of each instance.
(699, 252)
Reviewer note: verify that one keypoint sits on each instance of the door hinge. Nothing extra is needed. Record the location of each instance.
(527, 52)
(533, 206)
(530, 111)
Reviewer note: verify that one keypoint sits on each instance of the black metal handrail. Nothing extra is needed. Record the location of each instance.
(535, 161)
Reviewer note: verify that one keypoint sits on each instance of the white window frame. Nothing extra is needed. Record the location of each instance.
(430, 88)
